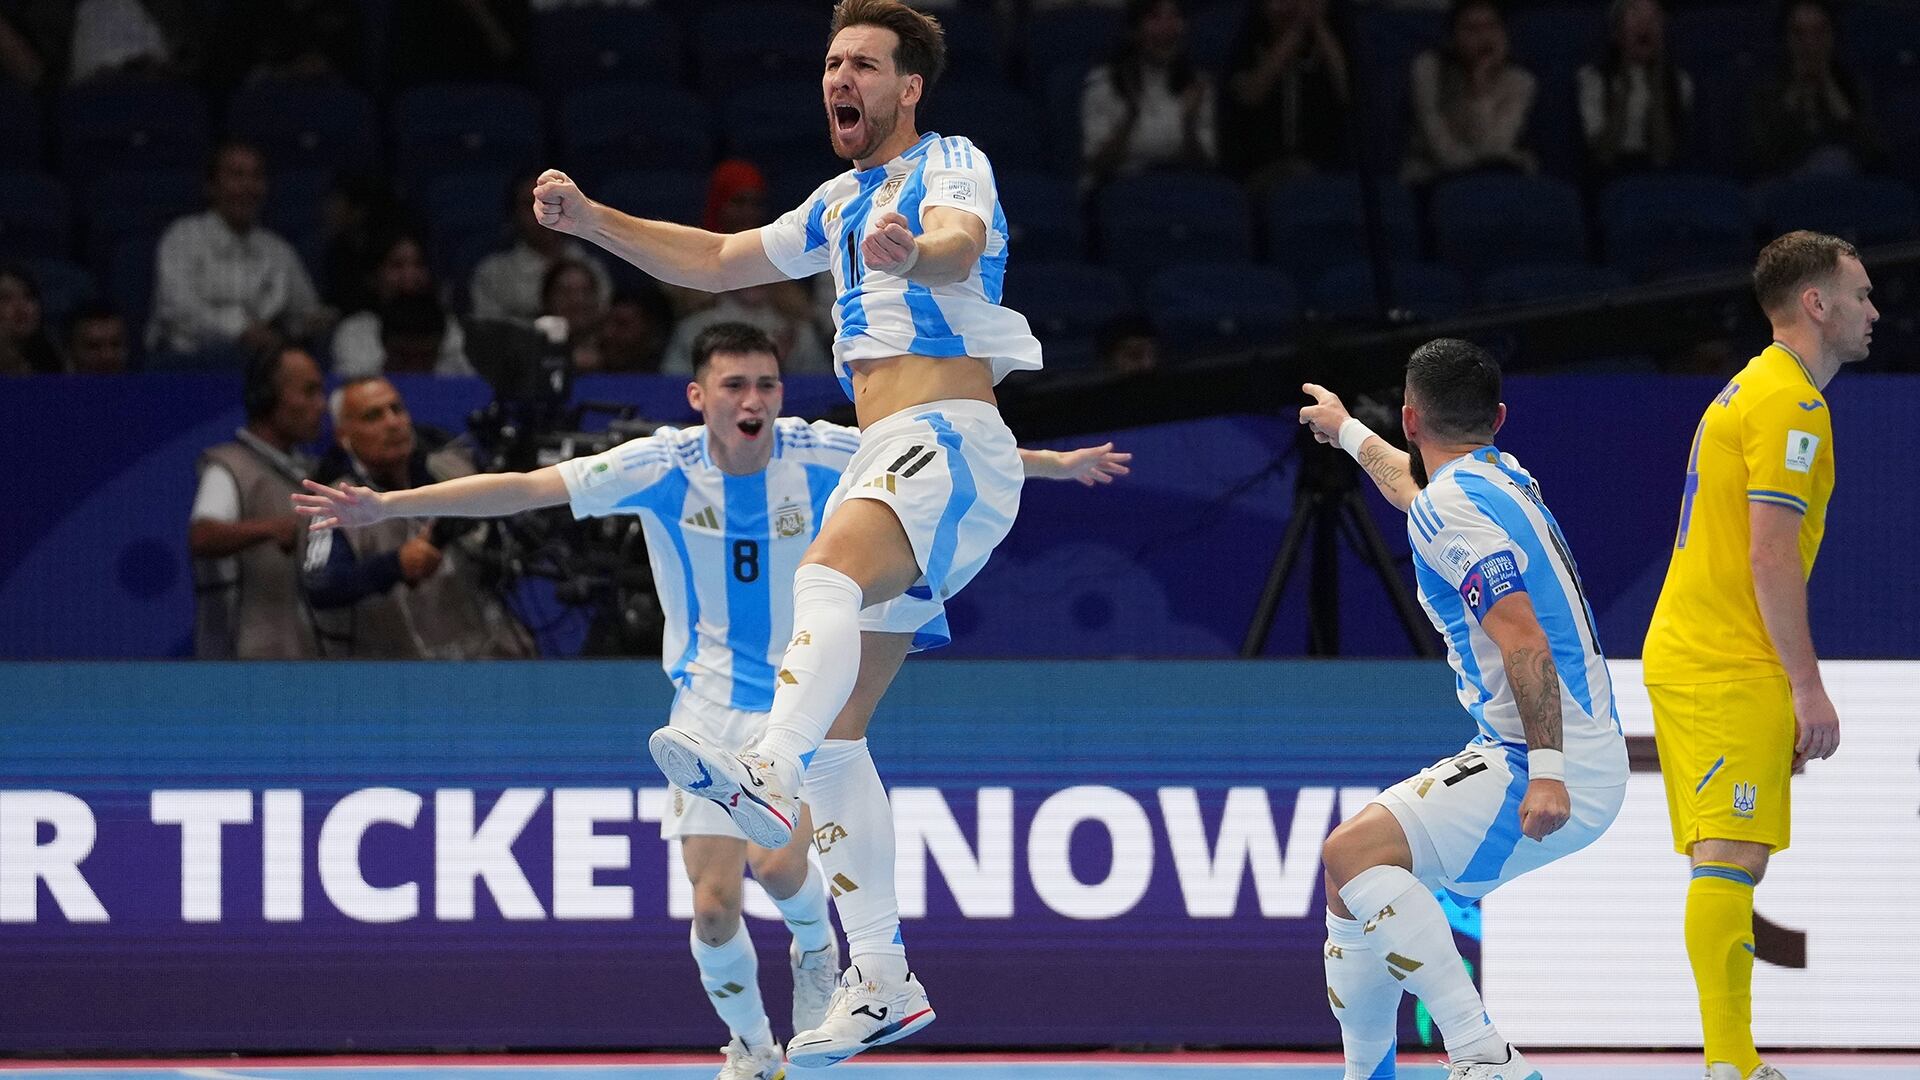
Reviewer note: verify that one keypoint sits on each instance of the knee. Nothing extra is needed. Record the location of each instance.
(716, 915)
(781, 872)
(1343, 856)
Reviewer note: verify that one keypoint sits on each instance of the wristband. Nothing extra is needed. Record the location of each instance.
(913, 257)
(1547, 765)
(1353, 434)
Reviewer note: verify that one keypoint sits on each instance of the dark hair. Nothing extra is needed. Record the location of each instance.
(560, 266)
(1792, 262)
(922, 49)
(412, 315)
(1117, 330)
(1450, 59)
(1613, 65)
(94, 312)
(227, 146)
(260, 386)
(1457, 384)
(1123, 62)
(730, 337)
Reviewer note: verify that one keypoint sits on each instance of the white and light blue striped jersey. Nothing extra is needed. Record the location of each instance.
(1480, 533)
(723, 548)
(876, 314)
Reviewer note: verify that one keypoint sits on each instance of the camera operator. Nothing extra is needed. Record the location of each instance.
(404, 587)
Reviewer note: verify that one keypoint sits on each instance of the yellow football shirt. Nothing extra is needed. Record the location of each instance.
(1767, 437)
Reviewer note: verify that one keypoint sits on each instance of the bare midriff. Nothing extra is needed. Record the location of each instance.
(884, 387)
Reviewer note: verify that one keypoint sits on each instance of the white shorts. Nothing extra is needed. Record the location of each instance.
(1462, 820)
(690, 815)
(951, 472)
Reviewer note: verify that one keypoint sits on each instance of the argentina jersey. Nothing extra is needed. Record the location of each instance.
(1480, 533)
(877, 314)
(723, 548)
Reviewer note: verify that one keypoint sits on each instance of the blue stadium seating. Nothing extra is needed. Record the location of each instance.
(773, 126)
(1485, 221)
(35, 216)
(1207, 306)
(64, 288)
(453, 127)
(1386, 41)
(1070, 37)
(1007, 125)
(129, 276)
(321, 123)
(739, 44)
(1062, 88)
(296, 209)
(1659, 224)
(462, 209)
(1422, 291)
(1316, 221)
(1067, 304)
(1726, 48)
(1552, 42)
(20, 135)
(578, 46)
(121, 124)
(1898, 113)
(610, 127)
(1864, 209)
(1160, 219)
(127, 205)
(677, 195)
(1045, 220)
(1532, 282)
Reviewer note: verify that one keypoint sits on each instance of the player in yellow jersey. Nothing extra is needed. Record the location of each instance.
(1737, 699)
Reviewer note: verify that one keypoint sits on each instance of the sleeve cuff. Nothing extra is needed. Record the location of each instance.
(1777, 498)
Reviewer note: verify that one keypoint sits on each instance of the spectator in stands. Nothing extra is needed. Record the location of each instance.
(19, 60)
(288, 39)
(506, 285)
(1287, 93)
(394, 334)
(136, 37)
(633, 336)
(1812, 116)
(244, 530)
(223, 279)
(97, 342)
(1149, 105)
(358, 220)
(1128, 344)
(453, 40)
(1636, 102)
(570, 292)
(1470, 100)
(404, 588)
(25, 348)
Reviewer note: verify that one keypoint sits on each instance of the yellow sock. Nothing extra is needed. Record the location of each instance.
(1720, 946)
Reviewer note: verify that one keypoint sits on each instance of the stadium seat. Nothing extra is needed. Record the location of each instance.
(1313, 222)
(1658, 224)
(296, 207)
(1864, 209)
(35, 215)
(609, 127)
(1422, 291)
(130, 271)
(1155, 220)
(452, 127)
(743, 43)
(1726, 48)
(318, 123)
(126, 205)
(1207, 306)
(461, 207)
(973, 46)
(65, 287)
(1006, 124)
(1062, 87)
(1045, 218)
(1486, 221)
(579, 46)
(1070, 37)
(1067, 304)
(121, 124)
(772, 125)
(678, 195)
(1532, 282)
(20, 134)
(1899, 114)
(1385, 42)
(1552, 41)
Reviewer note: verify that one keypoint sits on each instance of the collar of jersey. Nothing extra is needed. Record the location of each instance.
(1489, 454)
(870, 177)
(1797, 362)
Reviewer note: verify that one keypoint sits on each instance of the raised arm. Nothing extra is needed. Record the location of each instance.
(1386, 464)
(677, 254)
(1780, 588)
(1528, 658)
(950, 243)
(481, 495)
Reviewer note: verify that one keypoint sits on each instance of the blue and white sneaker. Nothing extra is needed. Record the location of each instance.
(1516, 1067)
(862, 1015)
(747, 786)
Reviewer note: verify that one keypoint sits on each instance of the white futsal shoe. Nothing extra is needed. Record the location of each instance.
(1720, 1070)
(862, 1015)
(747, 786)
(1515, 1067)
(751, 1063)
(816, 975)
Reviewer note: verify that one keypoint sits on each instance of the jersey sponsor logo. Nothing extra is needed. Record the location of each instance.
(1460, 554)
(1816, 403)
(959, 189)
(1745, 796)
(705, 519)
(1801, 447)
(888, 190)
(789, 521)
(598, 474)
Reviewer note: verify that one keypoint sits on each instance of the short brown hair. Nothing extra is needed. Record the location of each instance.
(923, 45)
(1794, 261)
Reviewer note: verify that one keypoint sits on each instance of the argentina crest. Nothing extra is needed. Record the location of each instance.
(888, 190)
(790, 520)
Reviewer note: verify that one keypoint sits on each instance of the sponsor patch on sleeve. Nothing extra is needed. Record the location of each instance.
(1491, 578)
(959, 189)
(1459, 554)
(598, 472)
(1801, 448)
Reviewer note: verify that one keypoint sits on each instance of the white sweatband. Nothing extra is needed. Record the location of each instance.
(1353, 434)
(1546, 765)
(913, 258)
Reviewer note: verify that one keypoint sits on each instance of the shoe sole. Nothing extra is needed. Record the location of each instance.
(697, 769)
(819, 1057)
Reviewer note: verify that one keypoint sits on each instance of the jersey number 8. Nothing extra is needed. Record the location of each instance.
(746, 561)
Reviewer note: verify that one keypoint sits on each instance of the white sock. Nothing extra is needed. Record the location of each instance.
(731, 975)
(805, 913)
(853, 822)
(1409, 929)
(817, 674)
(1365, 999)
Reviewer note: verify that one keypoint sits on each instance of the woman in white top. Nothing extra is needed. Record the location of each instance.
(1634, 103)
(1148, 105)
(358, 345)
(1470, 101)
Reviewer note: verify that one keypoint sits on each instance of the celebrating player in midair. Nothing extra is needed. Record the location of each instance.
(1547, 772)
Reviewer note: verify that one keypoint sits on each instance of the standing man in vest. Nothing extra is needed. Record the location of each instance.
(242, 532)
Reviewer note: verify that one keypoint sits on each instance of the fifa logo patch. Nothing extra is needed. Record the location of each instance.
(1744, 798)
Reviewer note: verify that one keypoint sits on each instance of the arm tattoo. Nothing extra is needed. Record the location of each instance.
(1536, 691)
(1378, 462)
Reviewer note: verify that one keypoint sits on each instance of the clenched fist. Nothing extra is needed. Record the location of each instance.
(559, 205)
(890, 247)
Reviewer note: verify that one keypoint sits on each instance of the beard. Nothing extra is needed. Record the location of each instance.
(1417, 467)
(877, 129)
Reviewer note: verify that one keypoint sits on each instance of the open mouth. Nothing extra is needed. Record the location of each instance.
(846, 117)
(752, 428)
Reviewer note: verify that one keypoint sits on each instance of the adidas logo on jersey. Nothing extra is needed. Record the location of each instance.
(705, 519)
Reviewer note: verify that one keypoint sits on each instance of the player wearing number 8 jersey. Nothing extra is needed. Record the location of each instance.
(1547, 772)
(1729, 661)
